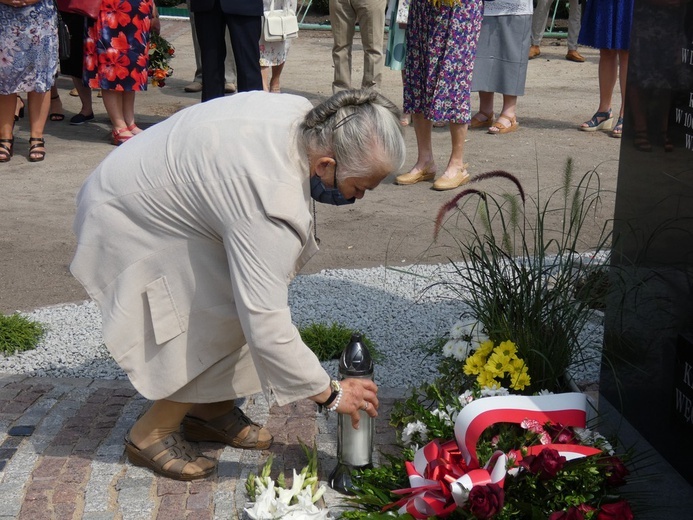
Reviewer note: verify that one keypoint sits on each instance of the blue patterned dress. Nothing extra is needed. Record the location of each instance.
(441, 46)
(606, 24)
(28, 47)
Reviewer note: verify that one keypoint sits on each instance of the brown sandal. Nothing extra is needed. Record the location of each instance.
(226, 429)
(499, 128)
(478, 123)
(176, 448)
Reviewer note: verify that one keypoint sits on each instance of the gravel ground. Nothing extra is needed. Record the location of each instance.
(400, 310)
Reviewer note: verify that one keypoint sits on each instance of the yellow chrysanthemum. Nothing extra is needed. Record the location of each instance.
(474, 365)
(520, 381)
(485, 348)
(518, 364)
(498, 364)
(507, 348)
(486, 378)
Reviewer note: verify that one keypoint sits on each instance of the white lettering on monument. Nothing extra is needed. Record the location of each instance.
(686, 56)
(684, 406)
(687, 370)
(690, 100)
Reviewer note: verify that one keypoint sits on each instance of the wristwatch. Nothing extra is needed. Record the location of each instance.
(336, 389)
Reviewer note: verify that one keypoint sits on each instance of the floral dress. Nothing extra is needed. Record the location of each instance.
(28, 47)
(116, 49)
(441, 46)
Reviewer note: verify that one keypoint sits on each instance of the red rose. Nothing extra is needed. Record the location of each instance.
(573, 513)
(616, 511)
(560, 434)
(545, 465)
(486, 501)
(615, 471)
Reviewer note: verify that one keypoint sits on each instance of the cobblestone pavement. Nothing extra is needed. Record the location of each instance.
(62, 454)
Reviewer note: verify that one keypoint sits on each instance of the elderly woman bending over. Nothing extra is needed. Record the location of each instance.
(188, 237)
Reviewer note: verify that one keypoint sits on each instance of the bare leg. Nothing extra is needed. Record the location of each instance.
(113, 101)
(458, 133)
(274, 82)
(265, 73)
(506, 119)
(423, 129)
(162, 419)
(8, 105)
(39, 105)
(84, 96)
(129, 112)
(608, 73)
(485, 108)
(56, 105)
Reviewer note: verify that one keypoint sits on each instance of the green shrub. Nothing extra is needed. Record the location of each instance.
(328, 341)
(18, 333)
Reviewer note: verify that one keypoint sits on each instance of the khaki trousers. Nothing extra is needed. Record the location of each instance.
(370, 15)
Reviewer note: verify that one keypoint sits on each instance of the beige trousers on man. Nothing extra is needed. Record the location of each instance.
(370, 15)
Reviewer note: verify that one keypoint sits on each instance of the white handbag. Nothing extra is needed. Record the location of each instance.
(279, 24)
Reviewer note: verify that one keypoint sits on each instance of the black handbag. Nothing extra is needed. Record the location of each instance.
(63, 38)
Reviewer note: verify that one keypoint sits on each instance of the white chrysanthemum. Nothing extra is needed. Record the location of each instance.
(460, 330)
(413, 428)
(448, 348)
(445, 415)
(492, 392)
(544, 392)
(477, 340)
(460, 350)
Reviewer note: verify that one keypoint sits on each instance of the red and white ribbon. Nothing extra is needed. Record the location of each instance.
(443, 474)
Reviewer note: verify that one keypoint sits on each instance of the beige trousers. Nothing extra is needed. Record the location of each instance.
(370, 15)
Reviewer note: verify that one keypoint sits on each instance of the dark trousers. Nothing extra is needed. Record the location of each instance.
(244, 31)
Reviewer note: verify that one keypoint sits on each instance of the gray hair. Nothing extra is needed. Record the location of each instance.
(360, 128)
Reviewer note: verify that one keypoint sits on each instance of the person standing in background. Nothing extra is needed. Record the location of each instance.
(501, 63)
(541, 16)
(441, 46)
(396, 52)
(273, 54)
(243, 20)
(606, 26)
(370, 16)
(29, 45)
(116, 59)
(229, 63)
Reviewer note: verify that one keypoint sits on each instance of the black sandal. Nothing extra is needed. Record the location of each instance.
(37, 155)
(56, 116)
(6, 152)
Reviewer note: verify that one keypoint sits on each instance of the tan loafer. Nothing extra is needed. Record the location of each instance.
(534, 51)
(450, 183)
(413, 177)
(574, 56)
(195, 86)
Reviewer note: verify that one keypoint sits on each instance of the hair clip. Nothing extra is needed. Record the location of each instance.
(345, 120)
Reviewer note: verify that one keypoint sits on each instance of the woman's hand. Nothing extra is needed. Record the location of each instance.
(358, 394)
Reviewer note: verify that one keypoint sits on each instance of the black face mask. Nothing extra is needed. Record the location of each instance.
(326, 195)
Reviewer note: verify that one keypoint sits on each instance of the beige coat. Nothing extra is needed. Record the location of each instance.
(188, 236)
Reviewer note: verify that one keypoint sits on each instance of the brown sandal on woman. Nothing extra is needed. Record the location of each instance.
(227, 429)
(34, 154)
(173, 447)
(478, 123)
(500, 128)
